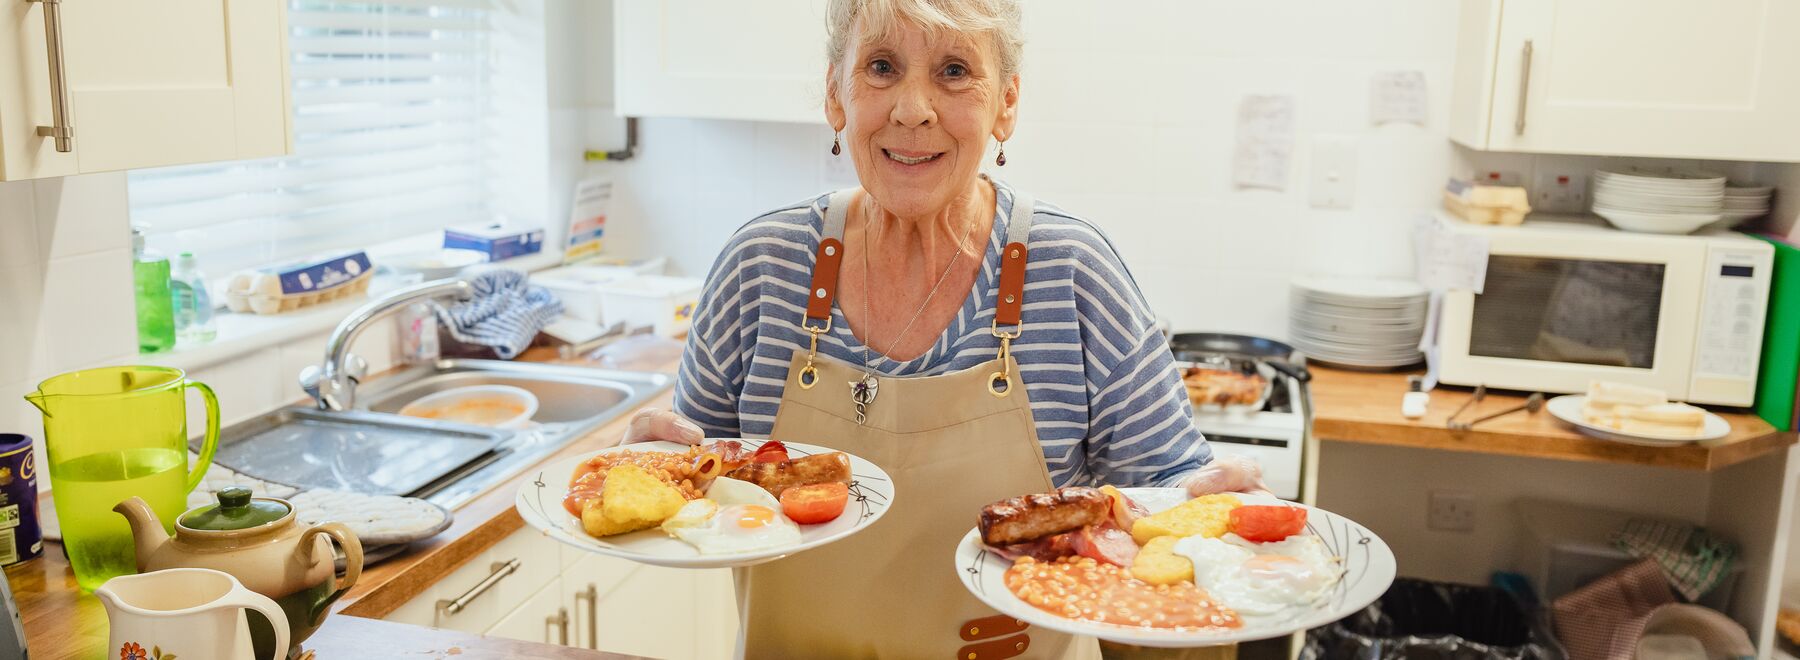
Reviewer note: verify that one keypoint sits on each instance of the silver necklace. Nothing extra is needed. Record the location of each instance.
(862, 391)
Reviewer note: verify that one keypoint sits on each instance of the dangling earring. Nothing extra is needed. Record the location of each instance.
(1001, 159)
(835, 147)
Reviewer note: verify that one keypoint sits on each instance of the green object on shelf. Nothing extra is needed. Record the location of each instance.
(155, 304)
(1775, 386)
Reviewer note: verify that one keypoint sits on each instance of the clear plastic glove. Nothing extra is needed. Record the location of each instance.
(652, 424)
(1228, 474)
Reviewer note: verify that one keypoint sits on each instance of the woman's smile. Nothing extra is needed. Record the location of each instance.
(912, 159)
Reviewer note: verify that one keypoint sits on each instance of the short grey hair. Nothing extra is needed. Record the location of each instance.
(999, 18)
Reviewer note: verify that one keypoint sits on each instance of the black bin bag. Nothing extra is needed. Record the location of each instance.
(1420, 620)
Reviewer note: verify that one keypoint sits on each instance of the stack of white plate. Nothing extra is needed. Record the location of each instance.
(1366, 323)
(1659, 203)
(1743, 204)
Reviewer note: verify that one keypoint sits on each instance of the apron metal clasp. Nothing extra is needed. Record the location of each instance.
(809, 376)
(1000, 382)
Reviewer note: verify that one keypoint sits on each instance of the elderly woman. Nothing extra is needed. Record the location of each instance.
(974, 343)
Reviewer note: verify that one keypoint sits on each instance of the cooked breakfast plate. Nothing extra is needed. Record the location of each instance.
(1150, 567)
(724, 503)
(1569, 408)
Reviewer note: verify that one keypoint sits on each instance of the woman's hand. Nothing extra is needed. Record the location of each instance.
(1228, 474)
(652, 424)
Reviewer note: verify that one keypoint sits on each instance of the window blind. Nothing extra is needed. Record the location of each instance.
(393, 128)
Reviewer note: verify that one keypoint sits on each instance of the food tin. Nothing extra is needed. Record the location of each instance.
(20, 537)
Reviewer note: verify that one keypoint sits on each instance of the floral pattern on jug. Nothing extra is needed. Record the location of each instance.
(135, 651)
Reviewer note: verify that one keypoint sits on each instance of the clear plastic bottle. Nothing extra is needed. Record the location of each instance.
(155, 308)
(193, 306)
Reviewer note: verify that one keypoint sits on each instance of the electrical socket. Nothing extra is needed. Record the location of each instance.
(1451, 511)
(1559, 192)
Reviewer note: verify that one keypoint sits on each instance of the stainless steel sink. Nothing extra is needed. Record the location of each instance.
(572, 401)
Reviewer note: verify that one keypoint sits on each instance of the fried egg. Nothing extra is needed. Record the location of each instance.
(735, 516)
(1261, 578)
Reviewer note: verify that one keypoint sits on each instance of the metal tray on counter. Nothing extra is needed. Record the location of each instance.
(355, 451)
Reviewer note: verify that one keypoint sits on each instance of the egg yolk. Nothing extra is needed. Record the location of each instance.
(1270, 562)
(752, 516)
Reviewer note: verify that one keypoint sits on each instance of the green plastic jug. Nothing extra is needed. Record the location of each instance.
(113, 433)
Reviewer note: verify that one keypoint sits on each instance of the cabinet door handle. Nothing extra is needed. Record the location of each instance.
(1524, 90)
(592, 596)
(60, 131)
(500, 571)
(559, 621)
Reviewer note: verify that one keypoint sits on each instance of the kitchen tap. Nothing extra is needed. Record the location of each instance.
(333, 384)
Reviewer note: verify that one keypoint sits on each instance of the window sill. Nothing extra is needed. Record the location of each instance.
(241, 334)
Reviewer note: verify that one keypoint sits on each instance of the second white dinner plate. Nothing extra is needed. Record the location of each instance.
(1568, 408)
(540, 503)
(1367, 562)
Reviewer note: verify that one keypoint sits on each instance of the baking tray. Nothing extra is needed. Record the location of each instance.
(361, 452)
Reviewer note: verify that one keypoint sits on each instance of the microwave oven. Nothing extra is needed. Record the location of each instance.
(1567, 301)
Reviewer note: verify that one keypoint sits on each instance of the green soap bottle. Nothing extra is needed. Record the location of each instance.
(155, 306)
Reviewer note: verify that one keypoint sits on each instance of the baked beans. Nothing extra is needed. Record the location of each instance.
(1081, 588)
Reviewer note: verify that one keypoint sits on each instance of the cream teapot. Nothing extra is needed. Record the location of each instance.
(256, 540)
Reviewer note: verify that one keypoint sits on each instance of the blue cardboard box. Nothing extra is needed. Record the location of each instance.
(496, 240)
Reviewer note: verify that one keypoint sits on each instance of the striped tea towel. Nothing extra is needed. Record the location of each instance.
(1694, 560)
(505, 314)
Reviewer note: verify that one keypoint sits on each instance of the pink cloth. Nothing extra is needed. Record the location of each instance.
(1604, 619)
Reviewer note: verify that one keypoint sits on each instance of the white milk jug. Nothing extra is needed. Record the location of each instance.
(184, 614)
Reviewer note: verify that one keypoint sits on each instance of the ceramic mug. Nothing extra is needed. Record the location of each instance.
(184, 614)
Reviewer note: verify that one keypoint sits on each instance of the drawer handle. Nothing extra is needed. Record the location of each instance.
(59, 130)
(1524, 90)
(592, 596)
(560, 621)
(500, 571)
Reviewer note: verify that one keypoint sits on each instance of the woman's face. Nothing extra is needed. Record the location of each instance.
(917, 110)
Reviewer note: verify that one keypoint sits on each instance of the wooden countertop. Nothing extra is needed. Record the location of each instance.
(61, 622)
(1364, 407)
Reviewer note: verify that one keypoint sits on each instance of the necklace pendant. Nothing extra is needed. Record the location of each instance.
(862, 393)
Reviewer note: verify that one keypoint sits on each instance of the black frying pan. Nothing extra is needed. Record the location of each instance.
(1279, 356)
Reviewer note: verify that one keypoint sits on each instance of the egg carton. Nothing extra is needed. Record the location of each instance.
(261, 293)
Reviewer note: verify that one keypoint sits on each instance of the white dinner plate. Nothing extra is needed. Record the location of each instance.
(1656, 223)
(1367, 561)
(1356, 290)
(540, 503)
(1568, 408)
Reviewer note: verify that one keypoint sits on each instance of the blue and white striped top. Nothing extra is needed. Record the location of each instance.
(1109, 405)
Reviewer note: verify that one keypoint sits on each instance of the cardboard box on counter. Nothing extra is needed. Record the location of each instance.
(497, 240)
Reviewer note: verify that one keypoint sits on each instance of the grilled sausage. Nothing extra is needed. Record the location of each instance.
(803, 471)
(1032, 517)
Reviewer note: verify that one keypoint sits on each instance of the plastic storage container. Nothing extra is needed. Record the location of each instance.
(664, 303)
(1565, 546)
(579, 288)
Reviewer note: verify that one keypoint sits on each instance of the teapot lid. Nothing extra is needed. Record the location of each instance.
(235, 510)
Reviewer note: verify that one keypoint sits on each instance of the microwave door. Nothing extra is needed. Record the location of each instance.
(1554, 322)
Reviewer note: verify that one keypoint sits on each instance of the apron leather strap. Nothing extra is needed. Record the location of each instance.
(1012, 264)
(831, 254)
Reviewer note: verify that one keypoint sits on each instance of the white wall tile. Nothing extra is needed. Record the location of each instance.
(244, 386)
(21, 296)
(18, 224)
(83, 214)
(89, 310)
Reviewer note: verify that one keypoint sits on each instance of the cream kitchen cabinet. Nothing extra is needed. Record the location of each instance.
(756, 61)
(542, 618)
(140, 84)
(478, 594)
(1668, 78)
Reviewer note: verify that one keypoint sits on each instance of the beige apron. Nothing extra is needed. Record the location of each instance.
(952, 443)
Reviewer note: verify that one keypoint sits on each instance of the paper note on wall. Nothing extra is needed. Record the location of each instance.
(1265, 142)
(1449, 260)
(1398, 96)
(587, 218)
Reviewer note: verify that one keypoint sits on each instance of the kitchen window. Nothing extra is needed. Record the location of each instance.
(403, 115)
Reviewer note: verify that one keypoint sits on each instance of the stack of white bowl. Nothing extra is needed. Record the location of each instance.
(1743, 204)
(1659, 203)
(1362, 323)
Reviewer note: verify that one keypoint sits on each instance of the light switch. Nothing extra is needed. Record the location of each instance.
(1333, 171)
